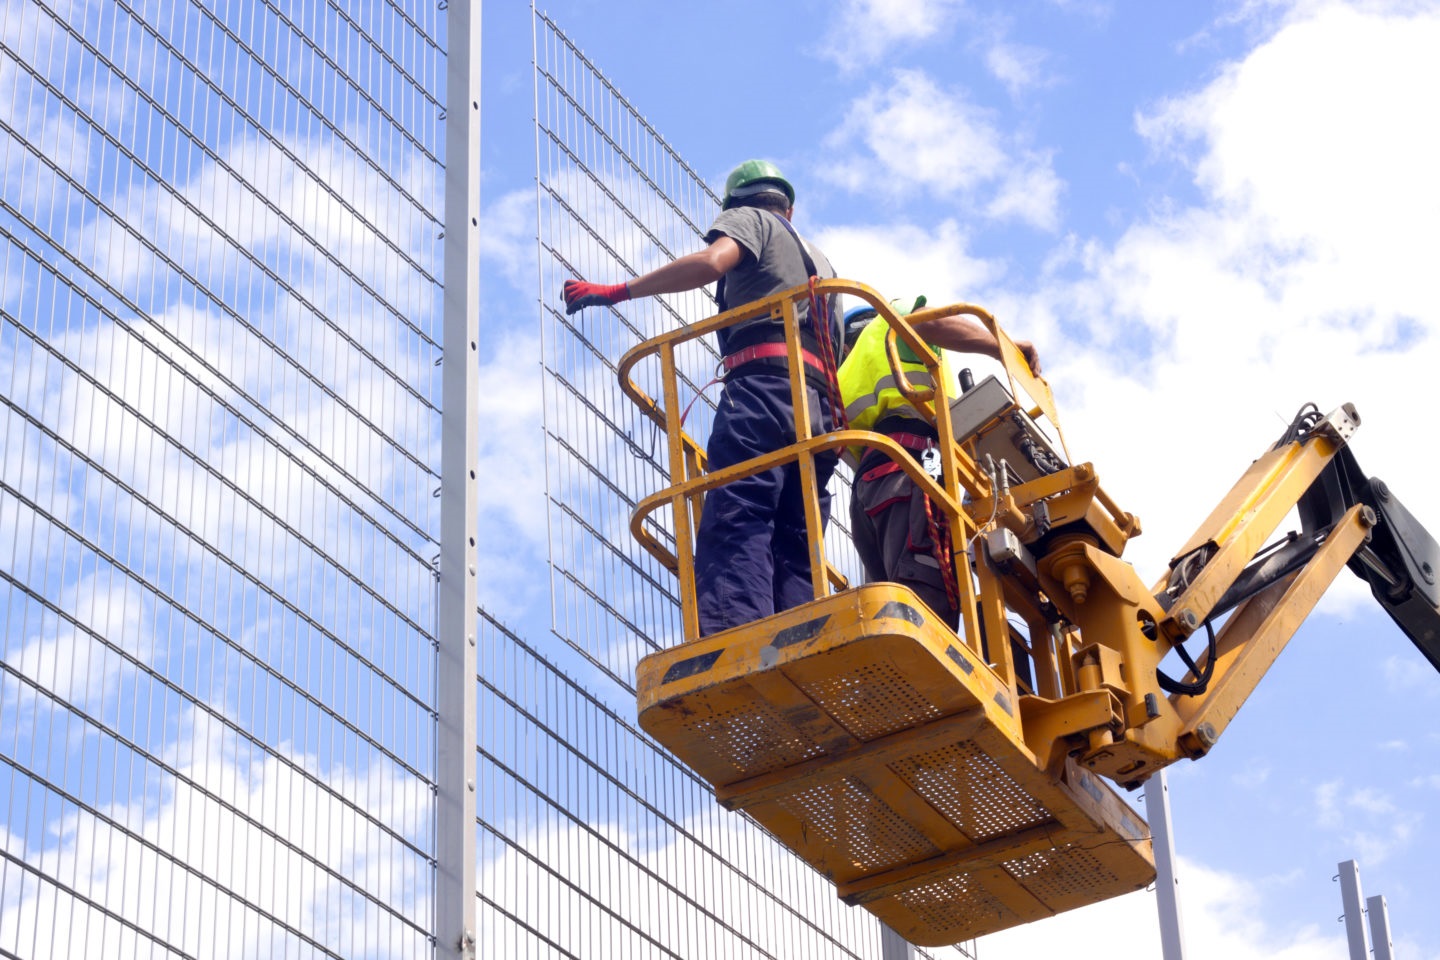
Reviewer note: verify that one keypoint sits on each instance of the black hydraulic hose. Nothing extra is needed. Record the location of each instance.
(1282, 560)
(1202, 679)
(1286, 558)
(1301, 426)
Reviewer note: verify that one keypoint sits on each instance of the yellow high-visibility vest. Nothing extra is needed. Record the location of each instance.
(867, 385)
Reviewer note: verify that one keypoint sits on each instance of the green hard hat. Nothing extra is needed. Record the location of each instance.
(756, 176)
(907, 305)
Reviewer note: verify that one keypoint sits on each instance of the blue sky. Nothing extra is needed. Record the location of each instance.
(1204, 215)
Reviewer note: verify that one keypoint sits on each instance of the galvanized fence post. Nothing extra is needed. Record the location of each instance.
(457, 622)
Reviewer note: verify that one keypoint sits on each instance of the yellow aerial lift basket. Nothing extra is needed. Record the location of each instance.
(872, 742)
(861, 731)
(952, 784)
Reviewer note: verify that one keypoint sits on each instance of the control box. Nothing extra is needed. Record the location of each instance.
(988, 414)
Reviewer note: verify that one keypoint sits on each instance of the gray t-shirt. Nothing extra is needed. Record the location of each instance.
(773, 263)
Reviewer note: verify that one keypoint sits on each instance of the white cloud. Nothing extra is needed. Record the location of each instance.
(1326, 164)
(72, 662)
(1222, 915)
(1299, 276)
(255, 830)
(1372, 801)
(918, 135)
(507, 243)
(1018, 66)
(511, 467)
(912, 136)
(1327, 803)
(1253, 774)
(903, 259)
(1093, 9)
(1403, 679)
(1028, 193)
(865, 32)
(332, 227)
(1367, 819)
(164, 392)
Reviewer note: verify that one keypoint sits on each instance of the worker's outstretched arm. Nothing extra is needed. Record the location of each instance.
(968, 335)
(689, 272)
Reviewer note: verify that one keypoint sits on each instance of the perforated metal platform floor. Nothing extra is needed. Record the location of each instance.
(879, 748)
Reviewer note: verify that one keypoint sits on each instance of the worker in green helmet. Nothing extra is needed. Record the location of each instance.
(899, 536)
(752, 551)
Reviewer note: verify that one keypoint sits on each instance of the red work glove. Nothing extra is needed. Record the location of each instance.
(580, 293)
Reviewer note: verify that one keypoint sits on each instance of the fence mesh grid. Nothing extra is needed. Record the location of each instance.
(220, 326)
(594, 841)
(219, 322)
(616, 201)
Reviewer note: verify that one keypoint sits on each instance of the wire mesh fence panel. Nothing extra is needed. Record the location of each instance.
(616, 201)
(220, 289)
(594, 841)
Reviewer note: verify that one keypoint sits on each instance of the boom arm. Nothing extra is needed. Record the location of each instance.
(1402, 558)
(1123, 631)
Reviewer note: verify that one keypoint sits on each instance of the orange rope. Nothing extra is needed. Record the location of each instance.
(824, 336)
(944, 556)
(697, 396)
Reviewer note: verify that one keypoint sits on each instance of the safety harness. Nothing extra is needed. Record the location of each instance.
(825, 360)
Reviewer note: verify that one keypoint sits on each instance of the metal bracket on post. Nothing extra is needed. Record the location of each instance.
(1379, 916)
(1354, 910)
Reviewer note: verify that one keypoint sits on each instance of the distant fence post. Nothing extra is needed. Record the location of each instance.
(1353, 900)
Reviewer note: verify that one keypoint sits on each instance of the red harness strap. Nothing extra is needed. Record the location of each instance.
(884, 470)
(910, 441)
(762, 351)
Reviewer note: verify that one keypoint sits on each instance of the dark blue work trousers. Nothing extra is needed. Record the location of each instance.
(752, 552)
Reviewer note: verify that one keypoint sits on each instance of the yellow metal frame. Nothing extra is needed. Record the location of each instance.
(686, 457)
(1017, 368)
(861, 733)
(781, 712)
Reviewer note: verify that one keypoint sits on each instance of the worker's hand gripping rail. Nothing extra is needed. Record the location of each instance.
(1017, 368)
